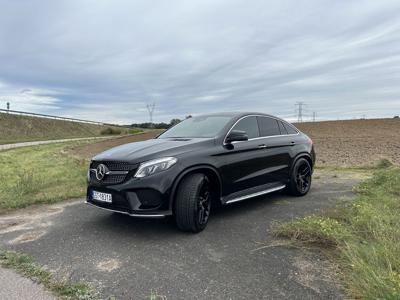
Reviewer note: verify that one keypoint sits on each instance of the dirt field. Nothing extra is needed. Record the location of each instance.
(354, 142)
(87, 151)
(338, 143)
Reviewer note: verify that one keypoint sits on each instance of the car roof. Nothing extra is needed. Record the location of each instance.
(236, 114)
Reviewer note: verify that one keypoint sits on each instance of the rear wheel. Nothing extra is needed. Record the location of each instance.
(300, 179)
(193, 203)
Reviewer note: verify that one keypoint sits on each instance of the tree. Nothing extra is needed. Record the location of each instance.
(173, 122)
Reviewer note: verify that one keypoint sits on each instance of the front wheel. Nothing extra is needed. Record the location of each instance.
(300, 179)
(193, 203)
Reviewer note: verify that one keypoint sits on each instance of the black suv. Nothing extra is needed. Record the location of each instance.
(217, 158)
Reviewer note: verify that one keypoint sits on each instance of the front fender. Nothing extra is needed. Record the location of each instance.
(193, 169)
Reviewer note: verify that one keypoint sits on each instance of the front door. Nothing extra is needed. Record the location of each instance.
(258, 164)
(244, 162)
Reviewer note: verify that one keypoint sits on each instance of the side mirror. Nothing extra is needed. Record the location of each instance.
(236, 136)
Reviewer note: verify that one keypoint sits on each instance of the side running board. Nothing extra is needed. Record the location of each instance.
(271, 190)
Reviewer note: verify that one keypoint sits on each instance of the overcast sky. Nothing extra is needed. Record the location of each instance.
(104, 60)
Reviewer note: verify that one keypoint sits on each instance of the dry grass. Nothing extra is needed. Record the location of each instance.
(15, 128)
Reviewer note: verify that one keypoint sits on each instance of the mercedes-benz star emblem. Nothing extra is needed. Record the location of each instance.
(101, 171)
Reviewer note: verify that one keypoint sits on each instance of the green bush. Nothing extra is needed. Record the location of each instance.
(110, 131)
(133, 131)
(384, 163)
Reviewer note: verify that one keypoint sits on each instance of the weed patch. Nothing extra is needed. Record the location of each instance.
(363, 234)
(24, 265)
(326, 232)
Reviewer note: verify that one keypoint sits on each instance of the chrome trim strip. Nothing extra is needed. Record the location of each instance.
(281, 187)
(132, 215)
(112, 172)
(261, 137)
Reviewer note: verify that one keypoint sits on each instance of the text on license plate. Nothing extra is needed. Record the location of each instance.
(104, 197)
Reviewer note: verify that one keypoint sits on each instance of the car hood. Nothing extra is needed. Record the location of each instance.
(153, 148)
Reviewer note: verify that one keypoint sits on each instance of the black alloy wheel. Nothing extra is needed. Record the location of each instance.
(300, 180)
(204, 202)
(303, 177)
(193, 203)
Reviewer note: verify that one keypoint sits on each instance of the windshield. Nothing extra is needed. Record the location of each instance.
(203, 127)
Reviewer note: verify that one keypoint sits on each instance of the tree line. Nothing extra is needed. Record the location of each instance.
(161, 125)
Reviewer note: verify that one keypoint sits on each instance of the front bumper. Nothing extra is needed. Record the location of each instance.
(141, 215)
(138, 197)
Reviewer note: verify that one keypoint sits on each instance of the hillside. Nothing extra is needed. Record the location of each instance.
(354, 142)
(15, 128)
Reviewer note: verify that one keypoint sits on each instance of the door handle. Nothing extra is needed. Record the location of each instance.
(292, 143)
(262, 146)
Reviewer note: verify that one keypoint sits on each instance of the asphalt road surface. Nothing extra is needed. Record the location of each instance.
(35, 143)
(236, 257)
(15, 287)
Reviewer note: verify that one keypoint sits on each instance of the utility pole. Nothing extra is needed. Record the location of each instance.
(314, 116)
(150, 109)
(300, 110)
(8, 106)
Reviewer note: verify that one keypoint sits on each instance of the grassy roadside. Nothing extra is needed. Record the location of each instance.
(381, 164)
(40, 174)
(16, 128)
(362, 236)
(52, 172)
(24, 265)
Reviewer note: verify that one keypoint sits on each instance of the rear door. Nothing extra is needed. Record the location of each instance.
(277, 149)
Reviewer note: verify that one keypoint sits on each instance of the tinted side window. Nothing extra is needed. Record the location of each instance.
(282, 128)
(268, 126)
(249, 125)
(290, 129)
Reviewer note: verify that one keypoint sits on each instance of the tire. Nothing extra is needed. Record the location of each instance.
(300, 179)
(193, 203)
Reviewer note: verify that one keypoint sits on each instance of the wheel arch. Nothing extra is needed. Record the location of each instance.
(305, 155)
(211, 172)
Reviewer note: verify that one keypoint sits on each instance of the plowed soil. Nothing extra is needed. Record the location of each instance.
(354, 143)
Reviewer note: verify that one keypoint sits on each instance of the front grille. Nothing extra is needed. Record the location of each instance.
(116, 166)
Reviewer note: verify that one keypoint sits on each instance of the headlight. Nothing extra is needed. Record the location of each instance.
(155, 166)
(88, 173)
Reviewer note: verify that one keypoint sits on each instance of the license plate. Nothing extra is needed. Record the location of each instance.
(103, 197)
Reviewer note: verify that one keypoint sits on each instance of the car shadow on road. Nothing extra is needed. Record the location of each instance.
(249, 205)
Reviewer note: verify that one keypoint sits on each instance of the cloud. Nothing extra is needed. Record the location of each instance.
(105, 61)
(29, 99)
